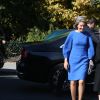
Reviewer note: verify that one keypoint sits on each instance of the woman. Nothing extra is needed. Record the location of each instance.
(78, 50)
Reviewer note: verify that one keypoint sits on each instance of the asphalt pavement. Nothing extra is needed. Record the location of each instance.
(13, 88)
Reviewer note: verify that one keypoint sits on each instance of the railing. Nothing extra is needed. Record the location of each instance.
(13, 48)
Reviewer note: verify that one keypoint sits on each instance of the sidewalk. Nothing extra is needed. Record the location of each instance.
(10, 63)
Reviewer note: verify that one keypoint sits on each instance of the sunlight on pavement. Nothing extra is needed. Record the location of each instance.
(10, 65)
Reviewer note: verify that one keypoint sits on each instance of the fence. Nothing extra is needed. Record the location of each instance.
(13, 48)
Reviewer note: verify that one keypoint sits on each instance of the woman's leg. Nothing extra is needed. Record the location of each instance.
(73, 89)
(81, 87)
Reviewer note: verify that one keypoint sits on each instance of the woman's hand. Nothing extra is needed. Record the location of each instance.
(91, 63)
(65, 64)
(91, 66)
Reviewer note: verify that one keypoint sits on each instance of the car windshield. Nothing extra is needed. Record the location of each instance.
(57, 34)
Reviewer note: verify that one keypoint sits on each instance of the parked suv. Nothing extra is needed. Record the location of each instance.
(43, 61)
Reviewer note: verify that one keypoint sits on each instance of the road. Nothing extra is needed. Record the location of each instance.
(12, 88)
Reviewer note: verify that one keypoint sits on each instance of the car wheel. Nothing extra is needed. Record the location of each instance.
(1, 60)
(58, 79)
(20, 75)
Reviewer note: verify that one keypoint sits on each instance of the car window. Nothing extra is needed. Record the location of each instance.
(57, 34)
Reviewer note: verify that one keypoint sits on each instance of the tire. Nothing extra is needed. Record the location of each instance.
(21, 76)
(1, 60)
(58, 79)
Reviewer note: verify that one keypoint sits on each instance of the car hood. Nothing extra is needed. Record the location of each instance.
(41, 46)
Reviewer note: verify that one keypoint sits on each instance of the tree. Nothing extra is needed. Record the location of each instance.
(62, 16)
(19, 16)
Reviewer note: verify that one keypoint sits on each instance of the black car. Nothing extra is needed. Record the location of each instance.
(43, 61)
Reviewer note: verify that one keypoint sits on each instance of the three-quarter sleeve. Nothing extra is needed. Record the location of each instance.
(67, 46)
(91, 48)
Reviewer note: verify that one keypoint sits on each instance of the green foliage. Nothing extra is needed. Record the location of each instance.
(21, 17)
(62, 16)
(95, 2)
(35, 34)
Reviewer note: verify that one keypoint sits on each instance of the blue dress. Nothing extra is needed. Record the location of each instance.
(78, 49)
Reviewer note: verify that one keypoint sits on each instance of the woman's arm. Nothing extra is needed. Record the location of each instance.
(91, 49)
(67, 46)
(67, 49)
(65, 64)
